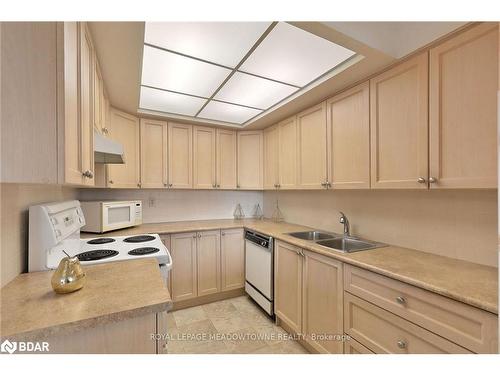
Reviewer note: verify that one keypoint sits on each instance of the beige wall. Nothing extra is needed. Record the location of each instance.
(177, 205)
(459, 224)
(15, 200)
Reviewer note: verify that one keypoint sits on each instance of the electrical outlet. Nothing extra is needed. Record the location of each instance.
(151, 202)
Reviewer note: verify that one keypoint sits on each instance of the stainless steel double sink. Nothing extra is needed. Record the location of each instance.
(346, 244)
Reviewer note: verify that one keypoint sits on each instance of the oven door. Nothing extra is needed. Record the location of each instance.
(118, 215)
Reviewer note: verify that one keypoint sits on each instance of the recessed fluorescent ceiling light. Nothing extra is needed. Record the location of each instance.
(192, 62)
(174, 72)
(253, 91)
(292, 55)
(224, 43)
(228, 112)
(164, 101)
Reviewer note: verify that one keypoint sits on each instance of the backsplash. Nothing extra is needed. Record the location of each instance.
(15, 200)
(179, 205)
(455, 223)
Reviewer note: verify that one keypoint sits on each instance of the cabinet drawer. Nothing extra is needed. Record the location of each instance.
(353, 347)
(384, 332)
(472, 328)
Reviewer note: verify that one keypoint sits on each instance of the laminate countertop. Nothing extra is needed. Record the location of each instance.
(113, 291)
(470, 283)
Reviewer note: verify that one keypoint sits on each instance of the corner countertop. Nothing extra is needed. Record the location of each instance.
(470, 283)
(113, 291)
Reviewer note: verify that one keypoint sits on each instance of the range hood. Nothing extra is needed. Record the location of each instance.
(107, 151)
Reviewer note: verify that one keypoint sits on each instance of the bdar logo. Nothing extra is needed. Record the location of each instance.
(9, 347)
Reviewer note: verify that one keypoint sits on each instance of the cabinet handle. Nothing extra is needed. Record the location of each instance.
(324, 184)
(402, 344)
(199, 235)
(139, 184)
(169, 185)
(111, 182)
(401, 300)
(328, 184)
(433, 180)
(214, 186)
(165, 184)
(278, 186)
(222, 233)
(421, 180)
(194, 235)
(88, 174)
(218, 186)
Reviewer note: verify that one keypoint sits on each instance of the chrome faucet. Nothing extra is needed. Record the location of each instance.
(343, 220)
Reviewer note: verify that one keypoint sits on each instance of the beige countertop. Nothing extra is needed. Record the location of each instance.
(113, 291)
(471, 283)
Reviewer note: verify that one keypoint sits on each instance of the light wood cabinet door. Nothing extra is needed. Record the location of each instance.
(204, 158)
(271, 157)
(97, 102)
(250, 160)
(86, 102)
(323, 303)
(232, 248)
(287, 154)
(208, 262)
(73, 173)
(399, 124)
(288, 285)
(153, 153)
(125, 130)
(184, 284)
(348, 118)
(312, 142)
(463, 110)
(226, 159)
(180, 156)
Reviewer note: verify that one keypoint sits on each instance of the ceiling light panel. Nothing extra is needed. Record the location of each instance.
(169, 102)
(253, 91)
(224, 43)
(228, 112)
(292, 55)
(174, 72)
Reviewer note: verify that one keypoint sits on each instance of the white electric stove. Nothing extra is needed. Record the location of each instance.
(55, 227)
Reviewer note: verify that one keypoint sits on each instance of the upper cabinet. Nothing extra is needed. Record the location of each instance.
(180, 156)
(87, 61)
(124, 129)
(226, 159)
(271, 157)
(204, 156)
(312, 144)
(250, 163)
(348, 117)
(287, 156)
(153, 135)
(399, 110)
(463, 110)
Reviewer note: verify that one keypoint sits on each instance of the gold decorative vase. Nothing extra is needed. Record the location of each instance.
(69, 276)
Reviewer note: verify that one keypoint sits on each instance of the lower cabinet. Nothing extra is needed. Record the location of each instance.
(206, 264)
(184, 280)
(232, 255)
(308, 296)
(351, 346)
(208, 261)
(131, 336)
(288, 285)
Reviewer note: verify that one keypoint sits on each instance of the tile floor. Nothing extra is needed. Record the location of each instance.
(235, 325)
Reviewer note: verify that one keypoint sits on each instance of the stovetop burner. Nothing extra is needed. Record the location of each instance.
(143, 251)
(142, 238)
(101, 241)
(96, 254)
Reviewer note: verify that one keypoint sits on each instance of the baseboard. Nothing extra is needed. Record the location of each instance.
(208, 299)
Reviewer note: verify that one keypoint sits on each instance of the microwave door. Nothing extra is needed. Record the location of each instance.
(118, 216)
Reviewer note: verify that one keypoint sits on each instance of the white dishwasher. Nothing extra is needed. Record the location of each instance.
(259, 272)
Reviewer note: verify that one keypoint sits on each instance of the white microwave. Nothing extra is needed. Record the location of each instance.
(104, 216)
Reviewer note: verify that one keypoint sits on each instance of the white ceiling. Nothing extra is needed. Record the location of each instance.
(397, 39)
